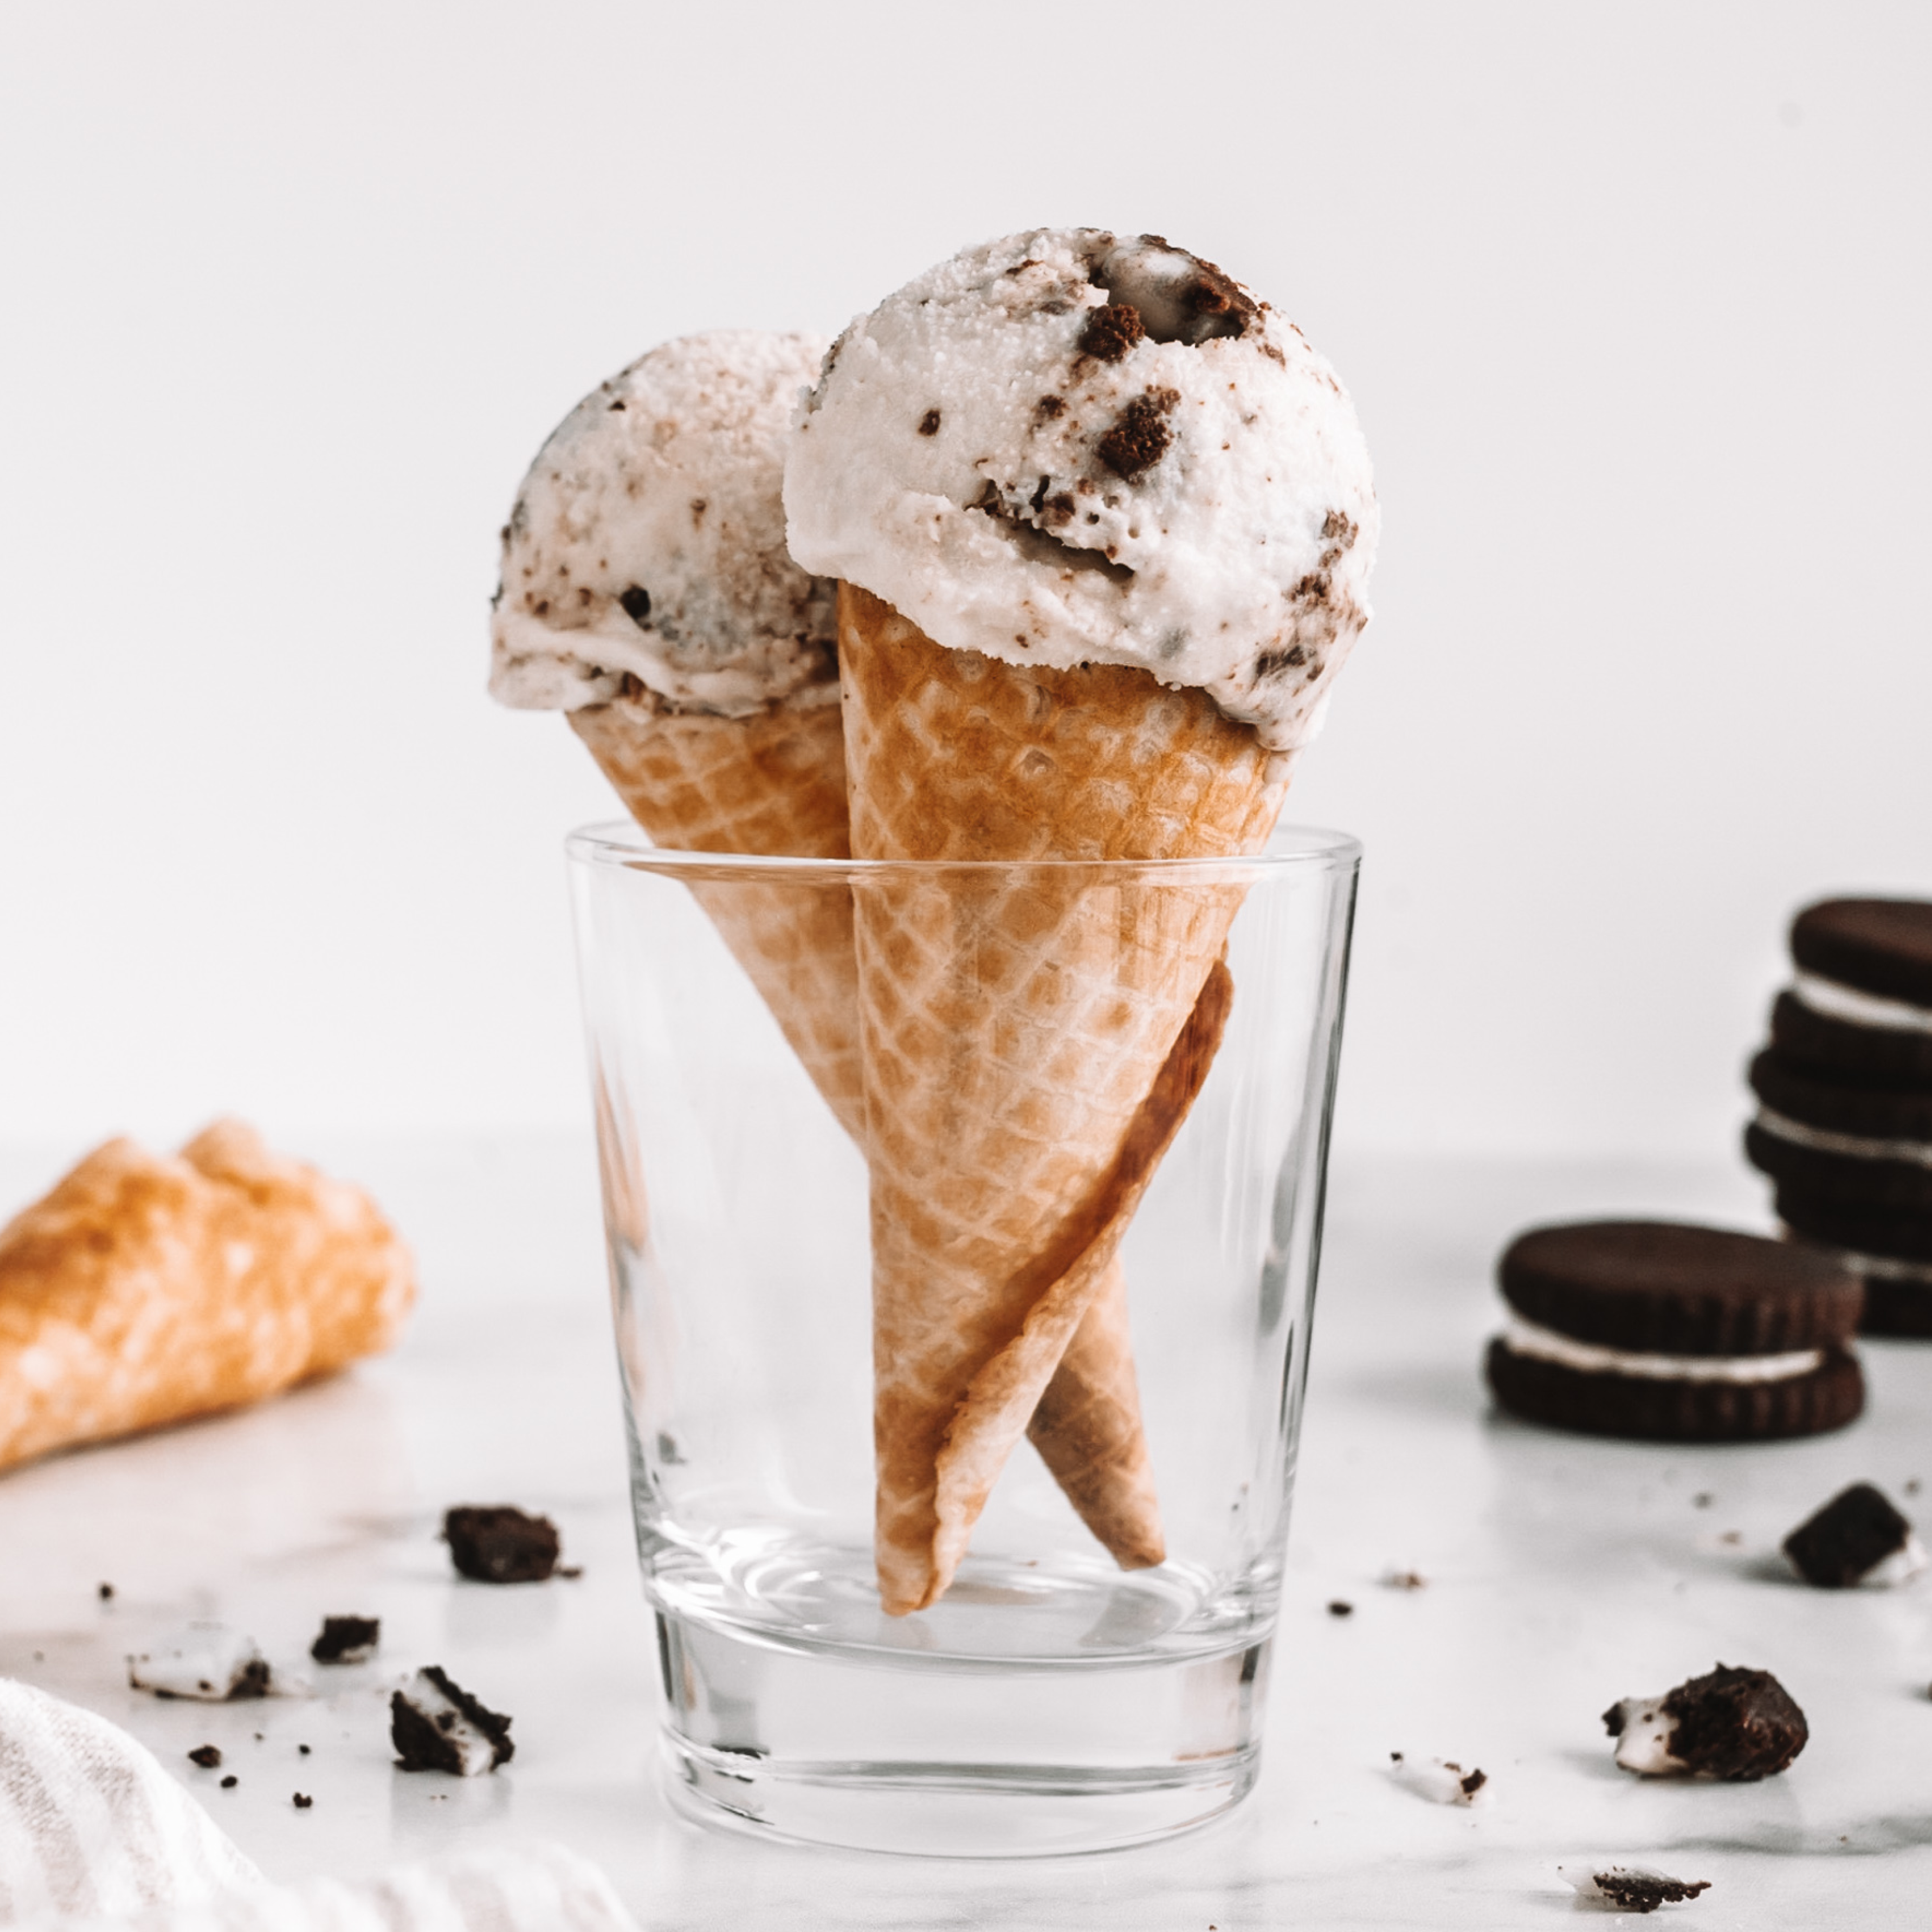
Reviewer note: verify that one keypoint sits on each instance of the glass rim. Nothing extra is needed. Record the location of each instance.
(620, 844)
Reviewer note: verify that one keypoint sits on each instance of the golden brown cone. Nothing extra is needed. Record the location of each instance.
(1014, 1030)
(145, 1290)
(769, 784)
(772, 784)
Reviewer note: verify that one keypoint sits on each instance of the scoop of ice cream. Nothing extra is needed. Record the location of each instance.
(649, 540)
(1069, 447)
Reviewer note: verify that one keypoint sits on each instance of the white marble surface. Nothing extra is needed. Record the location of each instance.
(1562, 1574)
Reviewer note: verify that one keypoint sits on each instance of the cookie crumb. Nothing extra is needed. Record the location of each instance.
(208, 1756)
(303, 1800)
(498, 1542)
(1405, 1579)
(1441, 1780)
(1736, 1725)
(107, 1593)
(1857, 1538)
(229, 1782)
(1635, 1887)
(1340, 1608)
(437, 1725)
(346, 1639)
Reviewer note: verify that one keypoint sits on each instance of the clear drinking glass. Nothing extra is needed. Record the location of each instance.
(1049, 1701)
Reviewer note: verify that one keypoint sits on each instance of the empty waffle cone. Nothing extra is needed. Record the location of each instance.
(145, 1290)
(1025, 1064)
(774, 784)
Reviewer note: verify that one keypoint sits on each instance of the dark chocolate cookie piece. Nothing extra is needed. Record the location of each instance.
(1667, 1288)
(1864, 1230)
(499, 1543)
(1899, 1309)
(1736, 1725)
(1856, 1180)
(1837, 1049)
(1840, 1106)
(1883, 946)
(346, 1639)
(1848, 1539)
(437, 1725)
(1641, 1409)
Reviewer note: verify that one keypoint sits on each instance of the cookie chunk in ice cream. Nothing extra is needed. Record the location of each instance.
(647, 541)
(1070, 447)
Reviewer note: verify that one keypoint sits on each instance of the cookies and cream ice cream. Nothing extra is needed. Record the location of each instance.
(648, 541)
(1068, 447)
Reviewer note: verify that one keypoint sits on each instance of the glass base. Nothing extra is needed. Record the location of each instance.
(948, 1757)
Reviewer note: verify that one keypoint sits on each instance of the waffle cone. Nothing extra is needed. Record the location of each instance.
(1025, 1059)
(770, 784)
(144, 1291)
(773, 784)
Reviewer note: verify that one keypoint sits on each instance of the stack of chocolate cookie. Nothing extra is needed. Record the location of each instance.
(1844, 1121)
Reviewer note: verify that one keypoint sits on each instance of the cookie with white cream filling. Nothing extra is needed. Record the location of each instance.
(1667, 1332)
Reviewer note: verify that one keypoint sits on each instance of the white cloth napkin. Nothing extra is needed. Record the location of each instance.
(94, 1833)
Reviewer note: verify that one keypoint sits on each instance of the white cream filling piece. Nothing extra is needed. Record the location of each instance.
(1643, 1744)
(1856, 1147)
(1441, 1780)
(1545, 1345)
(1908, 1561)
(1838, 1002)
(208, 1663)
(475, 1751)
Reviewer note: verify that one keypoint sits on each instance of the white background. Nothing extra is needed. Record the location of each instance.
(1635, 301)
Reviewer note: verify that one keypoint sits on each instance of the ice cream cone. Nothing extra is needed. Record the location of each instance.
(775, 783)
(1025, 1062)
(144, 1291)
(769, 784)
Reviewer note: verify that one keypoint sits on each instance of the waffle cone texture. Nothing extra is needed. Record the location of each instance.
(774, 784)
(1024, 1060)
(145, 1290)
(769, 785)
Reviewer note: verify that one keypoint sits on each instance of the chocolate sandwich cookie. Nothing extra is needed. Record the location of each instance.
(1890, 1250)
(1868, 1145)
(1844, 1119)
(1854, 1169)
(1837, 1049)
(1860, 1005)
(1672, 1333)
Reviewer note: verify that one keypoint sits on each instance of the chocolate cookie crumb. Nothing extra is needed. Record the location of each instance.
(1111, 330)
(928, 424)
(1737, 1726)
(1340, 1608)
(1634, 1891)
(1050, 406)
(1141, 437)
(107, 1593)
(303, 1801)
(437, 1725)
(229, 1782)
(302, 1750)
(346, 1639)
(636, 602)
(498, 1543)
(208, 1756)
(1849, 1538)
